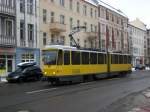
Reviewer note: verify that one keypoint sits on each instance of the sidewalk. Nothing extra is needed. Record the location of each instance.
(3, 79)
(146, 104)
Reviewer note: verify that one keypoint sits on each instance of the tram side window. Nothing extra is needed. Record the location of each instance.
(120, 59)
(101, 58)
(93, 58)
(129, 59)
(66, 57)
(60, 58)
(116, 58)
(85, 57)
(105, 58)
(112, 59)
(125, 59)
(75, 57)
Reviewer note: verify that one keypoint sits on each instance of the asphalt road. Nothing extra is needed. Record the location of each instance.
(96, 96)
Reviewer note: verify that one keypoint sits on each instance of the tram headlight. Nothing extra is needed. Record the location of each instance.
(54, 73)
(45, 72)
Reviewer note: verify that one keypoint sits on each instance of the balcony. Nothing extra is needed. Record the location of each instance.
(57, 27)
(91, 35)
(7, 40)
(7, 10)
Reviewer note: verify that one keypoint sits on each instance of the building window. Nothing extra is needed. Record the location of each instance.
(22, 30)
(95, 14)
(44, 15)
(62, 2)
(91, 27)
(71, 23)
(30, 32)
(52, 38)
(117, 20)
(22, 5)
(78, 22)
(52, 17)
(62, 19)
(84, 10)
(70, 4)
(78, 7)
(30, 6)
(107, 15)
(95, 28)
(44, 38)
(62, 40)
(8, 3)
(112, 18)
(91, 12)
(9, 27)
(85, 24)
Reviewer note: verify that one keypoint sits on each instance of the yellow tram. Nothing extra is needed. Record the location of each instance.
(65, 63)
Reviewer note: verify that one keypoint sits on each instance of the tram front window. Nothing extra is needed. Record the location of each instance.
(49, 57)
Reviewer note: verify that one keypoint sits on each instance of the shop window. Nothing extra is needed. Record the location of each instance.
(28, 57)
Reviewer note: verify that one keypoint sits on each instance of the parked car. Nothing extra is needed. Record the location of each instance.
(139, 67)
(25, 71)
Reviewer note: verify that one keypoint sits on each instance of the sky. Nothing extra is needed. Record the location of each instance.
(133, 9)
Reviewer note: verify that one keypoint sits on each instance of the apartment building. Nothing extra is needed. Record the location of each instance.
(27, 31)
(137, 34)
(148, 48)
(59, 17)
(113, 28)
(7, 36)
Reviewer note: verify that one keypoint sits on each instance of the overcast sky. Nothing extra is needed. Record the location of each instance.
(133, 9)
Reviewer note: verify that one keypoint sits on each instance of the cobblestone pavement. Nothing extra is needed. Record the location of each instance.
(136, 102)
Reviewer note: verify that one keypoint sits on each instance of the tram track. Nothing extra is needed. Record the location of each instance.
(73, 89)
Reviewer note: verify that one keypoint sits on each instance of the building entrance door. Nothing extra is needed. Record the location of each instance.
(9, 65)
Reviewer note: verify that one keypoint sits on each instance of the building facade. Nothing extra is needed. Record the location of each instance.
(113, 29)
(59, 17)
(7, 36)
(27, 31)
(137, 34)
(148, 48)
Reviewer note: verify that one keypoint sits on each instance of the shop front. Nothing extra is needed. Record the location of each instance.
(7, 61)
(27, 55)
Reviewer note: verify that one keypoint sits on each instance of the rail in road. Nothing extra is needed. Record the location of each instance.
(96, 91)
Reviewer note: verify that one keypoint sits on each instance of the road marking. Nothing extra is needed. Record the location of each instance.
(42, 90)
(23, 111)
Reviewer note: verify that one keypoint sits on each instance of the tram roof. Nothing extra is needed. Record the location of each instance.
(60, 47)
(63, 47)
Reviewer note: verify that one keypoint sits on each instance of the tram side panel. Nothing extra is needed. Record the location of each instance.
(120, 63)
